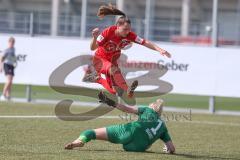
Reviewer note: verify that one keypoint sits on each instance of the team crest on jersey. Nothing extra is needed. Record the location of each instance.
(124, 43)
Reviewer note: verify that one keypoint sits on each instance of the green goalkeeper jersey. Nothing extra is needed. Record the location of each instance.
(139, 135)
(147, 129)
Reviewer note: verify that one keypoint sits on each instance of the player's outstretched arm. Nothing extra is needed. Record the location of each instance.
(169, 147)
(104, 99)
(95, 33)
(153, 46)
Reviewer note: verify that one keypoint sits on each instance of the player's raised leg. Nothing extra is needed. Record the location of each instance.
(120, 84)
(93, 74)
(132, 88)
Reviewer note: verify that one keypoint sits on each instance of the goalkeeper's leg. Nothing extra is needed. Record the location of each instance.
(86, 136)
(119, 134)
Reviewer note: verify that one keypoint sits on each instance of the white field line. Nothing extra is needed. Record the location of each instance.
(112, 117)
(167, 108)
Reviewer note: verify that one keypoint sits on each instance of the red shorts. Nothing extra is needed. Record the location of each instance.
(102, 65)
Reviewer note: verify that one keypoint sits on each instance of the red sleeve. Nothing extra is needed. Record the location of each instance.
(135, 38)
(102, 38)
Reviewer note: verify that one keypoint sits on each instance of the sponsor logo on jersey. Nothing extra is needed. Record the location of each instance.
(100, 38)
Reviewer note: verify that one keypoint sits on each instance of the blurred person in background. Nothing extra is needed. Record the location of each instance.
(8, 63)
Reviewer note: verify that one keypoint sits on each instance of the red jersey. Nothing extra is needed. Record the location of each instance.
(110, 44)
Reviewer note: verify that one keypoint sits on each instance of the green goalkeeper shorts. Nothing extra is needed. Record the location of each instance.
(120, 134)
(131, 137)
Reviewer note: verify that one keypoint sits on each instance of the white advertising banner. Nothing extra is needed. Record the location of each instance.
(191, 70)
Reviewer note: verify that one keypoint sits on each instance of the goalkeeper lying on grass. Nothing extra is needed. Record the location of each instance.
(135, 136)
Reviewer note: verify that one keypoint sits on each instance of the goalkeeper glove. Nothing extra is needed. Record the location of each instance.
(104, 99)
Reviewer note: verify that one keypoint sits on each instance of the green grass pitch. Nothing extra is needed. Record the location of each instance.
(204, 137)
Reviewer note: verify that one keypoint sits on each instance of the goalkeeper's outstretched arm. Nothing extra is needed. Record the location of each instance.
(128, 109)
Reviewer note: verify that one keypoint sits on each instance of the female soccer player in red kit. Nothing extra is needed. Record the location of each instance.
(109, 44)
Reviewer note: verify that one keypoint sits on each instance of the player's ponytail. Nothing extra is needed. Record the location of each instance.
(112, 10)
(109, 10)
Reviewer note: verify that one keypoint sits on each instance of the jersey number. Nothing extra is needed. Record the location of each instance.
(153, 131)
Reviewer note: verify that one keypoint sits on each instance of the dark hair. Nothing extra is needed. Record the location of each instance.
(112, 10)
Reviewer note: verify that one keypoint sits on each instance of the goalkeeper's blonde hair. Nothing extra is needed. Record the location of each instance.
(157, 106)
